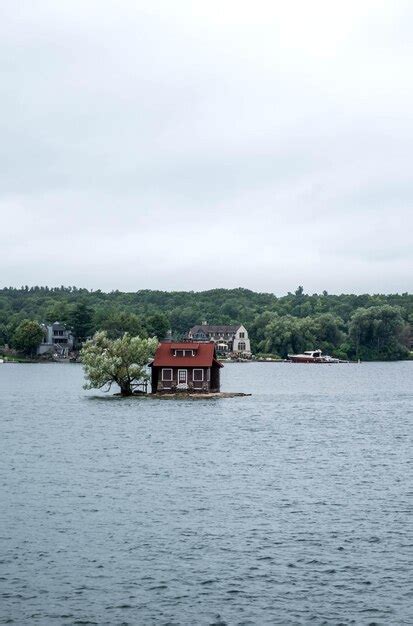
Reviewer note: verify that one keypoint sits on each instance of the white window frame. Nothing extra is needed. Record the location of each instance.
(184, 352)
(183, 382)
(198, 369)
(167, 369)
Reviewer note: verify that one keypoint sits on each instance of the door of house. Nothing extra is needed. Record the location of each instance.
(182, 377)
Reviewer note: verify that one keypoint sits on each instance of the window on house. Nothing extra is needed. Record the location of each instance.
(182, 376)
(241, 345)
(198, 375)
(166, 375)
(242, 335)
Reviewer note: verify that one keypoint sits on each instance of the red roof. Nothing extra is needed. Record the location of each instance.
(204, 355)
(189, 345)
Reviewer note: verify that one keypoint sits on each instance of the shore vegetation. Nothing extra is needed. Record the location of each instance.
(27, 336)
(348, 326)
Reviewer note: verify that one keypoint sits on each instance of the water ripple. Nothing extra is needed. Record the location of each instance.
(290, 507)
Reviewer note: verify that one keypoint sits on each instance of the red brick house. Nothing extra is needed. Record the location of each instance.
(187, 366)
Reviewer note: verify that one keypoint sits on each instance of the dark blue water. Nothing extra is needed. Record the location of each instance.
(292, 506)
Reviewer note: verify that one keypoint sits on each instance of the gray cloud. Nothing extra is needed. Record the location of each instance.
(187, 145)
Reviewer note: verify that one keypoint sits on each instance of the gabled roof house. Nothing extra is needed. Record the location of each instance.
(227, 338)
(188, 366)
(56, 338)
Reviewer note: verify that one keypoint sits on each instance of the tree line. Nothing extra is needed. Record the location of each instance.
(346, 325)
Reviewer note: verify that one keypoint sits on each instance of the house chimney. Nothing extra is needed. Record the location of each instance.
(168, 336)
(204, 323)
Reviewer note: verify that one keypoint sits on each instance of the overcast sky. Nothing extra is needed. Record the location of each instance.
(192, 145)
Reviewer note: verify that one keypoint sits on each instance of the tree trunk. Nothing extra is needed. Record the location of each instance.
(126, 390)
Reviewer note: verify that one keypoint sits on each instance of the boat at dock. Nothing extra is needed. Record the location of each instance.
(313, 356)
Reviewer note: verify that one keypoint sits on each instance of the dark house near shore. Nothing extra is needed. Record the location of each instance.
(57, 339)
(188, 366)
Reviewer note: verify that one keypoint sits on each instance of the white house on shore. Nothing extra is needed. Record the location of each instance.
(227, 338)
(56, 339)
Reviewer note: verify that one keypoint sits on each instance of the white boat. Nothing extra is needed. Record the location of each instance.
(312, 356)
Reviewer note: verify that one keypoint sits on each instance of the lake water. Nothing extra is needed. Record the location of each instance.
(292, 506)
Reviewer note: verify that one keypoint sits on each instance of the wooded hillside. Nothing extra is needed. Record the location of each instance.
(346, 325)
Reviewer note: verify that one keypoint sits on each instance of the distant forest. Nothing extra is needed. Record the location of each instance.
(351, 326)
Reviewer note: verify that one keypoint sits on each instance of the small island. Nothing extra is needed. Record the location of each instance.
(178, 369)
